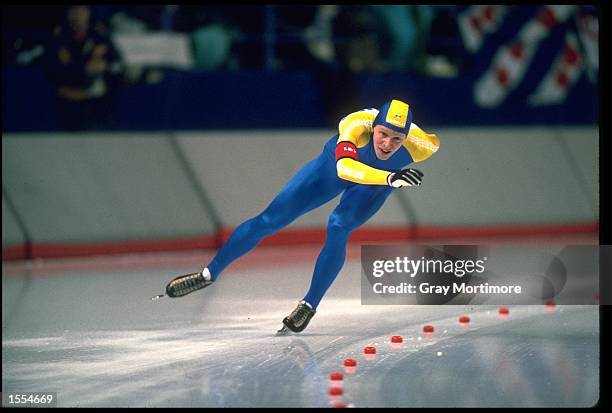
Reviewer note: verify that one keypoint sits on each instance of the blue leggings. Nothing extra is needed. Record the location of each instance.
(314, 185)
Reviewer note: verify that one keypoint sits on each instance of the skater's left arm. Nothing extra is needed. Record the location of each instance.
(420, 144)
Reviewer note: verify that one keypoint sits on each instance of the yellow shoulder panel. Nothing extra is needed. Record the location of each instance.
(357, 127)
(420, 144)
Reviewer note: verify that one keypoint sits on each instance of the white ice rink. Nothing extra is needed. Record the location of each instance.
(87, 329)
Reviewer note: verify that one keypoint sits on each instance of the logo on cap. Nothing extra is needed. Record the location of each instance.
(397, 114)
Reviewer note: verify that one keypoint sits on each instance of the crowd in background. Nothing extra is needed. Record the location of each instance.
(78, 46)
(362, 37)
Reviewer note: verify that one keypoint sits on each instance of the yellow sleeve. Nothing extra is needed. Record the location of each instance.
(420, 144)
(358, 172)
(357, 129)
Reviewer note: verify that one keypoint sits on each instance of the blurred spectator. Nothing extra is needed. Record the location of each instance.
(304, 41)
(445, 50)
(302, 32)
(334, 43)
(360, 39)
(319, 35)
(85, 68)
(406, 32)
(213, 37)
(212, 44)
(307, 41)
(243, 26)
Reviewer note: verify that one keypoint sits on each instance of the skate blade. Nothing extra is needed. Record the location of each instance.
(283, 331)
(157, 297)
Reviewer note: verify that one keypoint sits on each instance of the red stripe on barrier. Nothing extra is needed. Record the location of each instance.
(42, 250)
(307, 236)
(295, 237)
(17, 252)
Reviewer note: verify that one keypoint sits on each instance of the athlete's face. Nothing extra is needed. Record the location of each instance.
(387, 141)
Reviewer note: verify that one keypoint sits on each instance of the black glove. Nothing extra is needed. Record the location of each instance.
(405, 177)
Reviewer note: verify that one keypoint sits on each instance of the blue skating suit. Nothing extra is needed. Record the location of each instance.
(321, 180)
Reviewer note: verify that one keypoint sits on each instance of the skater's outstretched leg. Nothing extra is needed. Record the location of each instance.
(310, 188)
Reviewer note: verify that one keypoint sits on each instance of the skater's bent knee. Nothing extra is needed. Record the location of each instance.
(337, 226)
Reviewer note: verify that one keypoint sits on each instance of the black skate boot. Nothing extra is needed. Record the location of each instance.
(299, 318)
(185, 284)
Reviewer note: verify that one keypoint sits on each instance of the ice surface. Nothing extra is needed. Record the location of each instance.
(91, 333)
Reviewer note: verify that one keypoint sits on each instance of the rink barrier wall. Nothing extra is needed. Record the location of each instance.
(106, 193)
(291, 237)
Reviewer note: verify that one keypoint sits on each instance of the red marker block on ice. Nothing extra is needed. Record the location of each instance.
(464, 319)
(336, 379)
(504, 313)
(428, 331)
(336, 376)
(335, 391)
(350, 363)
(369, 350)
(335, 395)
(397, 342)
